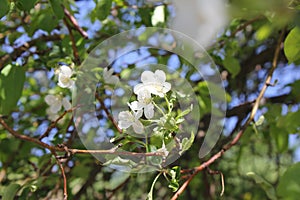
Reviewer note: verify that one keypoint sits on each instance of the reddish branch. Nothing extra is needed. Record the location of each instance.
(20, 50)
(74, 48)
(75, 23)
(109, 116)
(62, 148)
(235, 140)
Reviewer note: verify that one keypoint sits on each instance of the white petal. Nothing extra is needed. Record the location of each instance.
(160, 75)
(149, 111)
(138, 88)
(144, 95)
(66, 104)
(51, 116)
(147, 76)
(135, 105)
(112, 80)
(54, 108)
(50, 99)
(138, 127)
(138, 114)
(125, 119)
(65, 81)
(124, 124)
(65, 70)
(166, 87)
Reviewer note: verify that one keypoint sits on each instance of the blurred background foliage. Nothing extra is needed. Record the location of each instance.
(37, 34)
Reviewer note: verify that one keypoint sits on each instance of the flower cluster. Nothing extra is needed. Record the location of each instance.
(64, 77)
(56, 102)
(152, 84)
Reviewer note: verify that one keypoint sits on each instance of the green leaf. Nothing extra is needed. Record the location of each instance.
(232, 65)
(292, 46)
(265, 185)
(281, 137)
(187, 143)
(11, 87)
(264, 32)
(4, 7)
(11, 191)
(260, 121)
(102, 9)
(57, 8)
(25, 5)
(289, 184)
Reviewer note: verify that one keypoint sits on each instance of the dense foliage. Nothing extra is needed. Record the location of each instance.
(42, 156)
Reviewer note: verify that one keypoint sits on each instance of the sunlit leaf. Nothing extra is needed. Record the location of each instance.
(4, 7)
(289, 184)
(292, 46)
(57, 8)
(11, 86)
(266, 186)
(11, 191)
(232, 65)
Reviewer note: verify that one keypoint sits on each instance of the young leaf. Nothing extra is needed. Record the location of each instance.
(292, 46)
(11, 87)
(25, 5)
(187, 143)
(103, 9)
(57, 8)
(232, 65)
(11, 191)
(289, 184)
(266, 186)
(4, 7)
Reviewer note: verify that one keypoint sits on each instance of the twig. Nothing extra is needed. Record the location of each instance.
(61, 148)
(74, 48)
(218, 155)
(20, 50)
(244, 25)
(63, 174)
(222, 179)
(75, 23)
(53, 124)
(110, 117)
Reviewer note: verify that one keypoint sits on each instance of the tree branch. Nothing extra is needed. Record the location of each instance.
(74, 22)
(235, 140)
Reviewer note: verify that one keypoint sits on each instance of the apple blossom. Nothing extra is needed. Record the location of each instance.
(64, 77)
(108, 77)
(155, 83)
(127, 119)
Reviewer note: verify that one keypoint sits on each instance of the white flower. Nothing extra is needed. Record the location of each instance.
(56, 102)
(52, 116)
(155, 83)
(64, 77)
(144, 102)
(127, 119)
(108, 77)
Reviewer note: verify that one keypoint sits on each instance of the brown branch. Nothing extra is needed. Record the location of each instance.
(75, 23)
(235, 140)
(74, 48)
(89, 182)
(62, 148)
(247, 23)
(53, 124)
(63, 174)
(222, 179)
(20, 50)
(109, 116)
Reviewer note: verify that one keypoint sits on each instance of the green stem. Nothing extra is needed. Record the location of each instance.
(168, 103)
(150, 194)
(160, 110)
